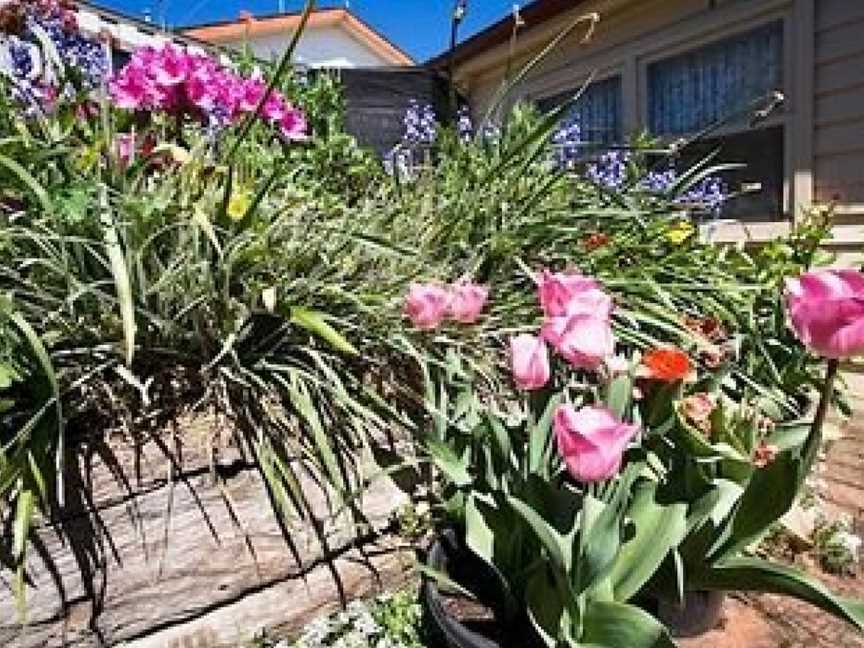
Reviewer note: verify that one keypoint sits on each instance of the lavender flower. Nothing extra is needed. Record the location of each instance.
(36, 83)
(86, 57)
(421, 125)
(659, 182)
(610, 171)
(709, 194)
(567, 144)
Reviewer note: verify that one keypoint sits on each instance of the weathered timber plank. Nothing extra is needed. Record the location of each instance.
(291, 604)
(130, 567)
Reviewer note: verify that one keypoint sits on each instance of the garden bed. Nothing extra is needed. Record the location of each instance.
(216, 311)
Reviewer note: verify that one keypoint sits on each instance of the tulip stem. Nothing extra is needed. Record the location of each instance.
(814, 440)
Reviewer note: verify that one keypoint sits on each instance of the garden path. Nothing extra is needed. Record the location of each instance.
(778, 622)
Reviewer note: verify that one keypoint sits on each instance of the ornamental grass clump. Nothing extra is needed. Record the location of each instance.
(159, 270)
(44, 56)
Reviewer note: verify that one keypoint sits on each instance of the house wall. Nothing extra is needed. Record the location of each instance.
(823, 84)
(839, 103)
(319, 47)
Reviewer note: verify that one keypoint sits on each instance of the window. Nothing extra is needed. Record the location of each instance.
(761, 152)
(720, 84)
(597, 111)
(689, 92)
(119, 59)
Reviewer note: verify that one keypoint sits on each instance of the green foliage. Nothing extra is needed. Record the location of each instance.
(261, 281)
(31, 436)
(572, 555)
(226, 276)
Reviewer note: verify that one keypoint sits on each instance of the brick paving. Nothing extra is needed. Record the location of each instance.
(765, 621)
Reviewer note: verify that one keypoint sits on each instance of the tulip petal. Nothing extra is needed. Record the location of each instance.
(529, 362)
(591, 441)
(826, 310)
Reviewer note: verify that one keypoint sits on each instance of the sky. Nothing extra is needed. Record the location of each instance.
(420, 27)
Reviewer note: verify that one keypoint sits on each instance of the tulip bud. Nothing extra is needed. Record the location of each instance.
(530, 362)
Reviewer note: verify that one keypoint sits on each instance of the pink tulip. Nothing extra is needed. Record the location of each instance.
(591, 441)
(426, 305)
(561, 294)
(585, 341)
(826, 310)
(467, 302)
(529, 361)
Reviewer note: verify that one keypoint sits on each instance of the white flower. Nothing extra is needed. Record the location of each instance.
(851, 542)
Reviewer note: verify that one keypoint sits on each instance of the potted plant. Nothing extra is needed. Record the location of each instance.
(538, 494)
(606, 486)
(739, 474)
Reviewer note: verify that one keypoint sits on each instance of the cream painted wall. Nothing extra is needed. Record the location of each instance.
(319, 47)
(824, 74)
(329, 46)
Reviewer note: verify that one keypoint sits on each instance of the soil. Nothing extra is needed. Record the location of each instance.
(474, 615)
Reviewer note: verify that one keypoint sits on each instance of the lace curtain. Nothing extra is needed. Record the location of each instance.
(689, 92)
(597, 111)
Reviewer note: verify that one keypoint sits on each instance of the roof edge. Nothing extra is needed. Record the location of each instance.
(233, 30)
(498, 33)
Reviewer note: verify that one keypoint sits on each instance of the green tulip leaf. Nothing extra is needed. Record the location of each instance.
(552, 541)
(768, 496)
(757, 575)
(620, 395)
(618, 625)
(446, 460)
(540, 436)
(546, 608)
(600, 538)
(659, 529)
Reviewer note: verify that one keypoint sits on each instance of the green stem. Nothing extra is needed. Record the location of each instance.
(814, 440)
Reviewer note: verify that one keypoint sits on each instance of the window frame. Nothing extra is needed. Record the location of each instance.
(785, 116)
(560, 90)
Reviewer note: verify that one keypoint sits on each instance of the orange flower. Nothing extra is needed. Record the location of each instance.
(596, 240)
(667, 365)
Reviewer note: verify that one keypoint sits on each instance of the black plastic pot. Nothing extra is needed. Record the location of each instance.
(449, 556)
(699, 613)
(446, 629)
